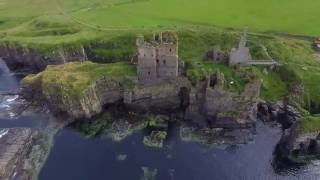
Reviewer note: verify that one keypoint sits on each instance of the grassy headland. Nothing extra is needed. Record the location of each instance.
(107, 29)
(299, 67)
(72, 79)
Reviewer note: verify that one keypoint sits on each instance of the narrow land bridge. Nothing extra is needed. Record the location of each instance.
(263, 62)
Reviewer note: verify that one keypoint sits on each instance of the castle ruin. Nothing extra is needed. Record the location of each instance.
(241, 55)
(158, 59)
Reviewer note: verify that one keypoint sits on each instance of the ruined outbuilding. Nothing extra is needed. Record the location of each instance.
(242, 55)
(158, 59)
(216, 55)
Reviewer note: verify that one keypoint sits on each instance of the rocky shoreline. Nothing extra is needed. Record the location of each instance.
(294, 147)
(23, 151)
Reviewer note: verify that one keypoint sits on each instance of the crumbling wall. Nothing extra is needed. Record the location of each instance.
(157, 60)
(147, 64)
(165, 95)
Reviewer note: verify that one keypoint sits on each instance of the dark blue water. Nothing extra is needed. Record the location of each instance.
(75, 157)
(7, 80)
(8, 83)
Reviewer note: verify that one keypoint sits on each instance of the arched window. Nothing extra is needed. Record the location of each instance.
(149, 73)
(164, 62)
(170, 50)
(157, 61)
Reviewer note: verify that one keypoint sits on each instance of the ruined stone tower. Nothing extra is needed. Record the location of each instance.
(158, 59)
(240, 55)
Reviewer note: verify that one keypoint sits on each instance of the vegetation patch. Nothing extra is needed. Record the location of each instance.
(273, 88)
(311, 124)
(119, 48)
(73, 78)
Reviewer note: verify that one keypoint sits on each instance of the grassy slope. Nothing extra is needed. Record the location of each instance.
(291, 16)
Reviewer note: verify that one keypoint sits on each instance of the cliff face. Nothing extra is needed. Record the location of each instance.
(32, 60)
(298, 147)
(90, 102)
(109, 90)
(164, 96)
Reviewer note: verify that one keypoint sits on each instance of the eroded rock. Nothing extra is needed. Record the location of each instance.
(23, 152)
(14, 147)
(155, 139)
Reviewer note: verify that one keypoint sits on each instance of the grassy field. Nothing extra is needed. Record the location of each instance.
(285, 16)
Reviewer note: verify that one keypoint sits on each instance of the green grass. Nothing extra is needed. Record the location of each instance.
(73, 78)
(311, 124)
(273, 87)
(82, 17)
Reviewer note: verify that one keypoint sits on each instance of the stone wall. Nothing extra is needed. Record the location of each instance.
(240, 56)
(223, 108)
(167, 61)
(147, 64)
(165, 95)
(157, 60)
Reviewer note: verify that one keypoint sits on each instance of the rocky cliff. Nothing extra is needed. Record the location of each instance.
(18, 57)
(86, 104)
(295, 145)
(110, 90)
(23, 152)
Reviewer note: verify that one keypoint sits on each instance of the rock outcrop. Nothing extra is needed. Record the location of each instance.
(90, 102)
(35, 61)
(14, 147)
(23, 152)
(295, 146)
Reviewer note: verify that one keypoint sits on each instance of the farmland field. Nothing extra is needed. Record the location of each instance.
(286, 16)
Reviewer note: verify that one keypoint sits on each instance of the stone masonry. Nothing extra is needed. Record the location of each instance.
(158, 59)
(241, 55)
